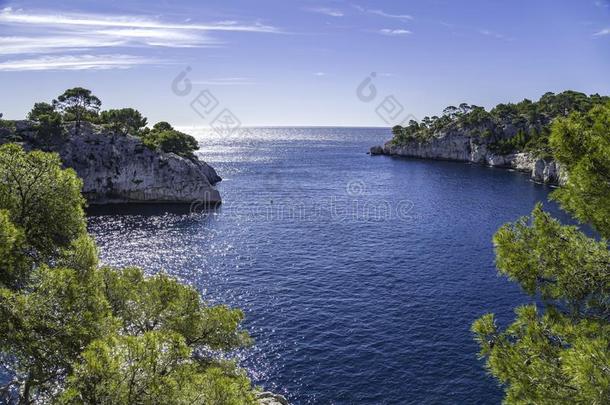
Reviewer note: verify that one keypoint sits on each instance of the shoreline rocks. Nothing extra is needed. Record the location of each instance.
(269, 398)
(463, 148)
(119, 169)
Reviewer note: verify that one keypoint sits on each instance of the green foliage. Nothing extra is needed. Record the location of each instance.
(162, 126)
(152, 368)
(78, 104)
(548, 359)
(43, 200)
(13, 264)
(7, 124)
(167, 139)
(581, 143)
(560, 355)
(39, 110)
(126, 121)
(49, 127)
(160, 302)
(75, 333)
(47, 326)
(558, 262)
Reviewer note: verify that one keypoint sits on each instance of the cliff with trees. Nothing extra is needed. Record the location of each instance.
(509, 135)
(116, 155)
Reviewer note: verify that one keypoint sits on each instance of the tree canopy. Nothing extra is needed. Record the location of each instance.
(78, 104)
(126, 121)
(76, 333)
(165, 138)
(559, 353)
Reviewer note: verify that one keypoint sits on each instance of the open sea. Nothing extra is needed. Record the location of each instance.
(359, 275)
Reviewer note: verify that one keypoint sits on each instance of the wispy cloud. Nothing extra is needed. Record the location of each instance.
(382, 13)
(30, 45)
(102, 39)
(226, 81)
(36, 33)
(394, 32)
(602, 3)
(331, 12)
(603, 32)
(10, 16)
(319, 74)
(75, 62)
(494, 34)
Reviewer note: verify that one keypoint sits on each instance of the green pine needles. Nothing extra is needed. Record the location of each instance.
(559, 352)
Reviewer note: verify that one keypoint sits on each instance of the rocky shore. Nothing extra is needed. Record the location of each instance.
(463, 148)
(269, 398)
(117, 168)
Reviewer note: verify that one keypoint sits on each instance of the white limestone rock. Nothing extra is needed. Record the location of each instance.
(120, 169)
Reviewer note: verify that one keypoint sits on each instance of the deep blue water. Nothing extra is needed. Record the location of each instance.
(360, 276)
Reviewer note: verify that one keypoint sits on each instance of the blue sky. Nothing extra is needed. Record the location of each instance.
(300, 62)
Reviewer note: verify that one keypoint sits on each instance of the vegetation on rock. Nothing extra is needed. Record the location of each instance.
(81, 105)
(524, 126)
(165, 138)
(78, 104)
(558, 352)
(126, 121)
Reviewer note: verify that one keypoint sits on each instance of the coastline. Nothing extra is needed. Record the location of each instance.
(541, 170)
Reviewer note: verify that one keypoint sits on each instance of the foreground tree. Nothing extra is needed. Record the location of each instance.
(559, 353)
(77, 104)
(43, 202)
(75, 333)
(126, 121)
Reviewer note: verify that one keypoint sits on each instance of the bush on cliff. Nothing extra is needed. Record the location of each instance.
(559, 352)
(165, 138)
(76, 333)
(126, 121)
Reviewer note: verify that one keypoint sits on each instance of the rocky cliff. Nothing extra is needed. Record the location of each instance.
(459, 146)
(119, 169)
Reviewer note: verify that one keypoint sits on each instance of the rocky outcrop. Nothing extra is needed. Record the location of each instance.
(119, 169)
(269, 398)
(461, 147)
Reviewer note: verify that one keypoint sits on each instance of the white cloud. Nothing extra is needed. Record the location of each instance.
(382, 13)
(75, 62)
(21, 45)
(34, 33)
(602, 32)
(493, 34)
(394, 32)
(319, 74)
(326, 11)
(226, 81)
(9, 16)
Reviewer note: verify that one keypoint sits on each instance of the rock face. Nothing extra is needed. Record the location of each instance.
(461, 147)
(269, 398)
(120, 169)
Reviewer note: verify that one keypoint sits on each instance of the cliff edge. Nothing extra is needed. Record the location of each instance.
(464, 148)
(117, 168)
